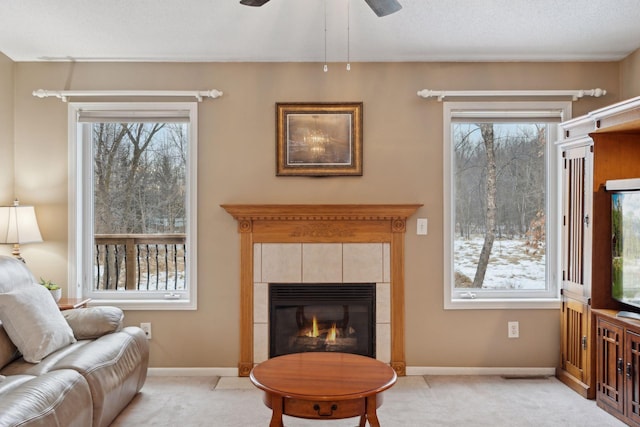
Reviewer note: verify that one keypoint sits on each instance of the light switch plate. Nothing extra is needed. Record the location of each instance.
(422, 226)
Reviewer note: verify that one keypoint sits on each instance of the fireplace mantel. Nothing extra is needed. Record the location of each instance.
(320, 212)
(321, 223)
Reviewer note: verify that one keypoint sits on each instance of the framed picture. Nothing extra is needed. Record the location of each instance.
(322, 139)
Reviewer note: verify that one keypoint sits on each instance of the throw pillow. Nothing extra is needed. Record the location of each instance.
(93, 322)
(34, 323)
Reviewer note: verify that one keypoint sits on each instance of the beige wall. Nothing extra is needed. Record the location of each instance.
(402, 164)
(6, 130)
(630, 76)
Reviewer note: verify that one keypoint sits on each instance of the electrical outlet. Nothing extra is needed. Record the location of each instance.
(146, 327)
(513, 329)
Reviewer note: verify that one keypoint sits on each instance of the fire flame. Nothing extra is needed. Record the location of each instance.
(332, 334)
(314, 332)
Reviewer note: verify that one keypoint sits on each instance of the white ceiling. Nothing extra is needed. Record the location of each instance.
(293, 30)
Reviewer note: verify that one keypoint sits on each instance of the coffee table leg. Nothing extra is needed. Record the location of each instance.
(363, 421)
(277, 404)
(372, 416)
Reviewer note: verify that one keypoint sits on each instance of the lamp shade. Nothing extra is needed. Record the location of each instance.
(18, 224)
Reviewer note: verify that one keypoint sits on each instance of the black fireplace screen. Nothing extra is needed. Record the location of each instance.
(322, 317)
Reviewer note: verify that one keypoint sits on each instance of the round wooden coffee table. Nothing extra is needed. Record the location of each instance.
(323, 385)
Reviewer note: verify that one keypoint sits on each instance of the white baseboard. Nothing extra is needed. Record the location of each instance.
(437, 370)
(411, 370)
(192, 372)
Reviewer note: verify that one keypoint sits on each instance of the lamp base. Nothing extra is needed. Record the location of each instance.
(16, 252)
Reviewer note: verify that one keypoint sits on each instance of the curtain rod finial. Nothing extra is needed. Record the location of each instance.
(214, 93)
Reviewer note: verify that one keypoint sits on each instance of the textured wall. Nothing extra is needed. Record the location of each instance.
(402, 164)
(6, 130)
(630, 76)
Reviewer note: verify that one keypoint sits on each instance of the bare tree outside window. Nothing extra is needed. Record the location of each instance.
(500, 223)
(139, 205)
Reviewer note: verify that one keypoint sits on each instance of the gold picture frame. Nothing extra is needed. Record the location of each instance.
(319, 139)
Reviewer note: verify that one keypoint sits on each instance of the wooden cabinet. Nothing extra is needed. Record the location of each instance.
(576, 358)
(610, 365)
(602, 145)
(618, 366)
(632, 372)
(575, 365)
(577, 171)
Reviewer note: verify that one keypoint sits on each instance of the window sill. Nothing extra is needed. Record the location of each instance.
(146, 304)
(503, 304)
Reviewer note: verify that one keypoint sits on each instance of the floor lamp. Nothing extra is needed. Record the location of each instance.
(18, 225)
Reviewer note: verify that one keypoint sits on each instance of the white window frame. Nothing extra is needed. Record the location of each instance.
(477, 299)
(80, 207)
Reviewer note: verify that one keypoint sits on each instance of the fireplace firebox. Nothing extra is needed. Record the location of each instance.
(322, 317)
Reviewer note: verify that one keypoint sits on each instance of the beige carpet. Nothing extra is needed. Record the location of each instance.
(414, 401)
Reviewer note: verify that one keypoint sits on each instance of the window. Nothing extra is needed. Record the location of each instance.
(499, 198)
(133, 195)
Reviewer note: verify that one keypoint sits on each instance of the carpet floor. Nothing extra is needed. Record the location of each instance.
(414, 401)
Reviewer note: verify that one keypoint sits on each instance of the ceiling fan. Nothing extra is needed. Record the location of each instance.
(380, 7)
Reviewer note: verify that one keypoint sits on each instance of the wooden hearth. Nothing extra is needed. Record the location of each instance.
(321, 224)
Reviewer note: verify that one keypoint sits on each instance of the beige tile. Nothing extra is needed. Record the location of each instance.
(260, 342)
(260, 302)
(362, 262)
(257, 262)
(383, 342)
(235, 383)
(282, 262)
(383, 303)
(386, 262)
(322, 263)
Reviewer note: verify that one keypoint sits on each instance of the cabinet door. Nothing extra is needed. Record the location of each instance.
(574, 345)
(632, 359)
(610, 365)
(577, 173)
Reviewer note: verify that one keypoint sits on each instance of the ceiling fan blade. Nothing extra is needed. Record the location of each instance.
(253, 2)
(384, 7)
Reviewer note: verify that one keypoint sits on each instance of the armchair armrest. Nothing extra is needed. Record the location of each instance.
(93, 322)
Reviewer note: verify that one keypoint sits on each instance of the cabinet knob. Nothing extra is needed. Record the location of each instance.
(629, 370)
(619, 365)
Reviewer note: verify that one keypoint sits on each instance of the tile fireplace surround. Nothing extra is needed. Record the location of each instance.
(355, 243)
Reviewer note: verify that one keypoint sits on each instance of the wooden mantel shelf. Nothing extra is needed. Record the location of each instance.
(320, 212)
(321, 223)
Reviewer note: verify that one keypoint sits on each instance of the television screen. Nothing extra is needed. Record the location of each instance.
(625, 246)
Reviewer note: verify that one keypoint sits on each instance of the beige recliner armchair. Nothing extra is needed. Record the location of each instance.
(78, 367)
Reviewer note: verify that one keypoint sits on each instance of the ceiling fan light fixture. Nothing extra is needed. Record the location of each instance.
(380, 7)
(256, 3)
(384, 7)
